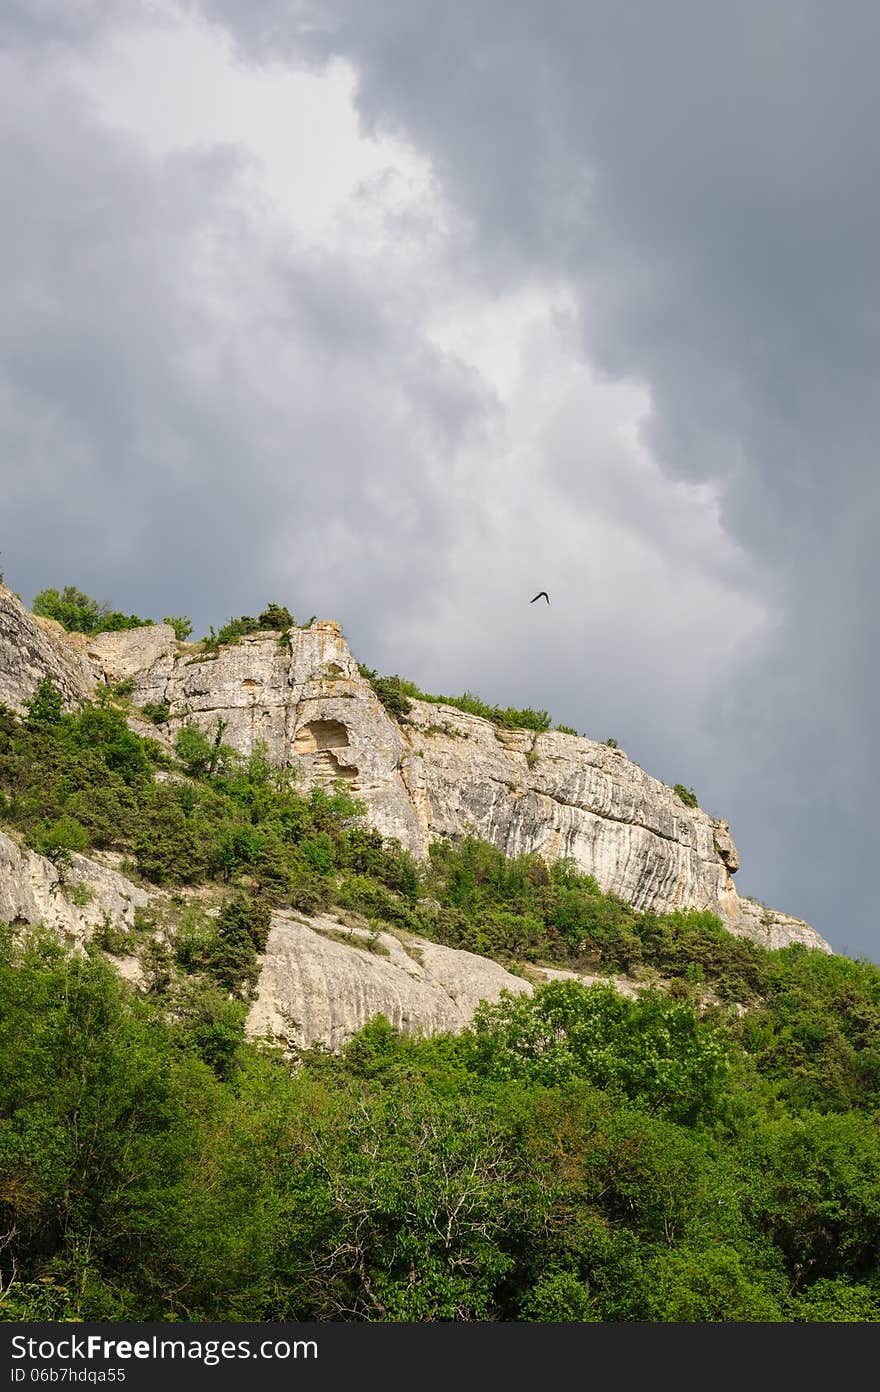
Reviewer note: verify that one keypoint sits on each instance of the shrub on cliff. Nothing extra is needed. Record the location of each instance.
(45, 706)
(276, 616)
(79, 613)
(391, 691)
(182, 627)
(687, 795)
(58, 839)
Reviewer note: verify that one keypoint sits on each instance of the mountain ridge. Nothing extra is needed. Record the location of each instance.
(437, 773)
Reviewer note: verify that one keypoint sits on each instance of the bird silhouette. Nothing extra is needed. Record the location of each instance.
(538, 596)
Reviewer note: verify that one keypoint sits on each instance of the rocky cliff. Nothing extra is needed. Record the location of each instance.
(32, 648)
(320, 982)
(440, 773)
(73, 904)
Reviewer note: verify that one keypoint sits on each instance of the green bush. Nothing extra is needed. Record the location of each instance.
(80, 894)
(157, 711)
(237, 628)
(276, 616)
(182, 627)
(45, 707)
(242, 932)
(243, 914)
(79, 613)
(211, 1025)
(58, 839)
(687, 795)
(390, 691)
(114, 938)
(200, 755)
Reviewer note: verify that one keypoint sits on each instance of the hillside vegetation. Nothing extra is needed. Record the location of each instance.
(709, 1151)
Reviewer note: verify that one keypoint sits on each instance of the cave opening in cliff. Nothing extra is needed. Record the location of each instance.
(318, 735)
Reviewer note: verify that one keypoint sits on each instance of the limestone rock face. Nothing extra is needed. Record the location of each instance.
(442, 773)
(31, 891)
(321, 983)
(561, 795)
(31, 649)
(723, 842)
(771, 928)
(115, 656)
(305, 699)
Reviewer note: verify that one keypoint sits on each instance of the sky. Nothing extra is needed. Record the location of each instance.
(397, 312)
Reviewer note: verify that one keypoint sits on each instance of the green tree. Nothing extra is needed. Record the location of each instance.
(79, 613)
(182, 627)
(70, 607)
(59, 839)
(276, 616)
(653, 1049)
(815, 1188)
(198, 754)
(46, 705)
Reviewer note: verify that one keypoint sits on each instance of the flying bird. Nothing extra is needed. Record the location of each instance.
(539, 595)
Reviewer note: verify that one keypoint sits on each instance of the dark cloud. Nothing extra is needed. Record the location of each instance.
(702, 174)
(34, 24)
(196, 411)
(200, 413)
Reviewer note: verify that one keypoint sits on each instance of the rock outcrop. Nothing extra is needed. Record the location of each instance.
(74, 904)
(321, 982)
(441, 773)
(304, 698)
(32, 648)
(770, 928)
(113, 657)
(562, 795)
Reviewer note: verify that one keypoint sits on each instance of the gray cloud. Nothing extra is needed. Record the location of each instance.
(194, 410)
(703, 175)
(197, 413)
(34, 24)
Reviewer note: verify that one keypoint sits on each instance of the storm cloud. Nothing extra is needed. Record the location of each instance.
(606, 325)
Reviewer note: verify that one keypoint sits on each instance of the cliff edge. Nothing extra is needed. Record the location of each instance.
(441, 773)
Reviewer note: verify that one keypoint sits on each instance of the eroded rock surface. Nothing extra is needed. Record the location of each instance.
(31, 649)
(304, 698)
(442, 773)
(321, 982)
(771, 928)
(75, 905)
(117, 656)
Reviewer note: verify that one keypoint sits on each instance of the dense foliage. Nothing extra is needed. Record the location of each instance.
(274, 616)
(708, 1151)
(396, 695)
(80, 613)
(573, 1157)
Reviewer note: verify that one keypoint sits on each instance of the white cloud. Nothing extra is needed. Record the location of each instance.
(178, 84)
